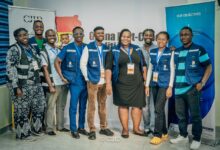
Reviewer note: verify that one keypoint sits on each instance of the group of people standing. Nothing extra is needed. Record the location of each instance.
(140, 78)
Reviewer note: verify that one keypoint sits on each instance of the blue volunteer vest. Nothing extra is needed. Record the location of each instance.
(93, 65)
(194, 70)
(33, 43)
(162, 67)
(70, 63)
(116, 53)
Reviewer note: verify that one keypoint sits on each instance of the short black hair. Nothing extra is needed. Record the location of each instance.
(49, 31)
(165, 33)
(187, 28)
(77, 27)
(120, 35)
(17, 31)
(35, 21)
(98, 28)
(146, 30)
(67, 34)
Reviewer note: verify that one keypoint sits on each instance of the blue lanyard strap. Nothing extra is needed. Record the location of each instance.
(159, 56)
(78, 51)
(54, 50)
(29, 53)
(128, 53)
(100, 52)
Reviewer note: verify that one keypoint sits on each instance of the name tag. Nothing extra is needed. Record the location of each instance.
(155, 76)
(35, 65)
(130, 68)
(102, 73)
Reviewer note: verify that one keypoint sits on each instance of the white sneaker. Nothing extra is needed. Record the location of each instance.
(195, 144)
(179, 139)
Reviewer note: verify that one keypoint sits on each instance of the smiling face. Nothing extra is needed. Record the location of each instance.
(126, 38)
(22, 37)
(99, 35)
(186, 36)
(78, 35)
(64, 39)
(51, 37)
(148, 37)
(38, 28)
(162, 41)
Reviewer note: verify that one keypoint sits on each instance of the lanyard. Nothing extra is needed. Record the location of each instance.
(54, 51)
(100, 51)
(159, 56)
(78, 51)
(128, 53)
(28, 52)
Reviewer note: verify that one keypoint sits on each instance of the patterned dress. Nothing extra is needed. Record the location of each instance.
(32, 100)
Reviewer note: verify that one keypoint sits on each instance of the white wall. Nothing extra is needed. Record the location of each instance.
(113, 15)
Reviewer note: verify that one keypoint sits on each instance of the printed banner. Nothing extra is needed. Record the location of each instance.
(24, 17)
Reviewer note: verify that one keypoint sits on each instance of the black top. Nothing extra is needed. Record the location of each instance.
(129, 89)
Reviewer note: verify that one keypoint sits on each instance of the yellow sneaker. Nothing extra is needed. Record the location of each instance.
(165, 137)
(156, 140)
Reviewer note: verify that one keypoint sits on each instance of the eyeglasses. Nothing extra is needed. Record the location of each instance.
(79, 34)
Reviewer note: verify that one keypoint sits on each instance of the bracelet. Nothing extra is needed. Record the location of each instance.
(202, 83)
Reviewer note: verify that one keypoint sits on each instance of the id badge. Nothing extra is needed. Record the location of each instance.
(155, 76)
(130, 68)
(35, 64)
(102, 73)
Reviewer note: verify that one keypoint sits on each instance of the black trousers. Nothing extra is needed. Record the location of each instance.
(185, 103)
(159, 96)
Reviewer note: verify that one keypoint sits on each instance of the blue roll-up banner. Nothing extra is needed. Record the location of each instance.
(201, 18)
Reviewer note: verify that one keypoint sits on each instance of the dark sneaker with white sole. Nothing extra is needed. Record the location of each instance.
(106, 132)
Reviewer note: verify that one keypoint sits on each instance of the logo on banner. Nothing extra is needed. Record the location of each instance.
(30, 19)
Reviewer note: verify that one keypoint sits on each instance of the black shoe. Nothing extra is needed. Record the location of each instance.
(106, 132)
(83, 131)
(37, 133)
(125, 136)
(51, 133)
(139, 133)
(147, 133)
(75, 135)
(64, 130)
(92, 135)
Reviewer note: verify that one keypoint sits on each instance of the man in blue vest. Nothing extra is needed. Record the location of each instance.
(37, 41)
(93, 69)
(193, 68)
(67, 66)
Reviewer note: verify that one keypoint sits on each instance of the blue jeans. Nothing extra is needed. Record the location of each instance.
(78, 95)
(183, 103)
